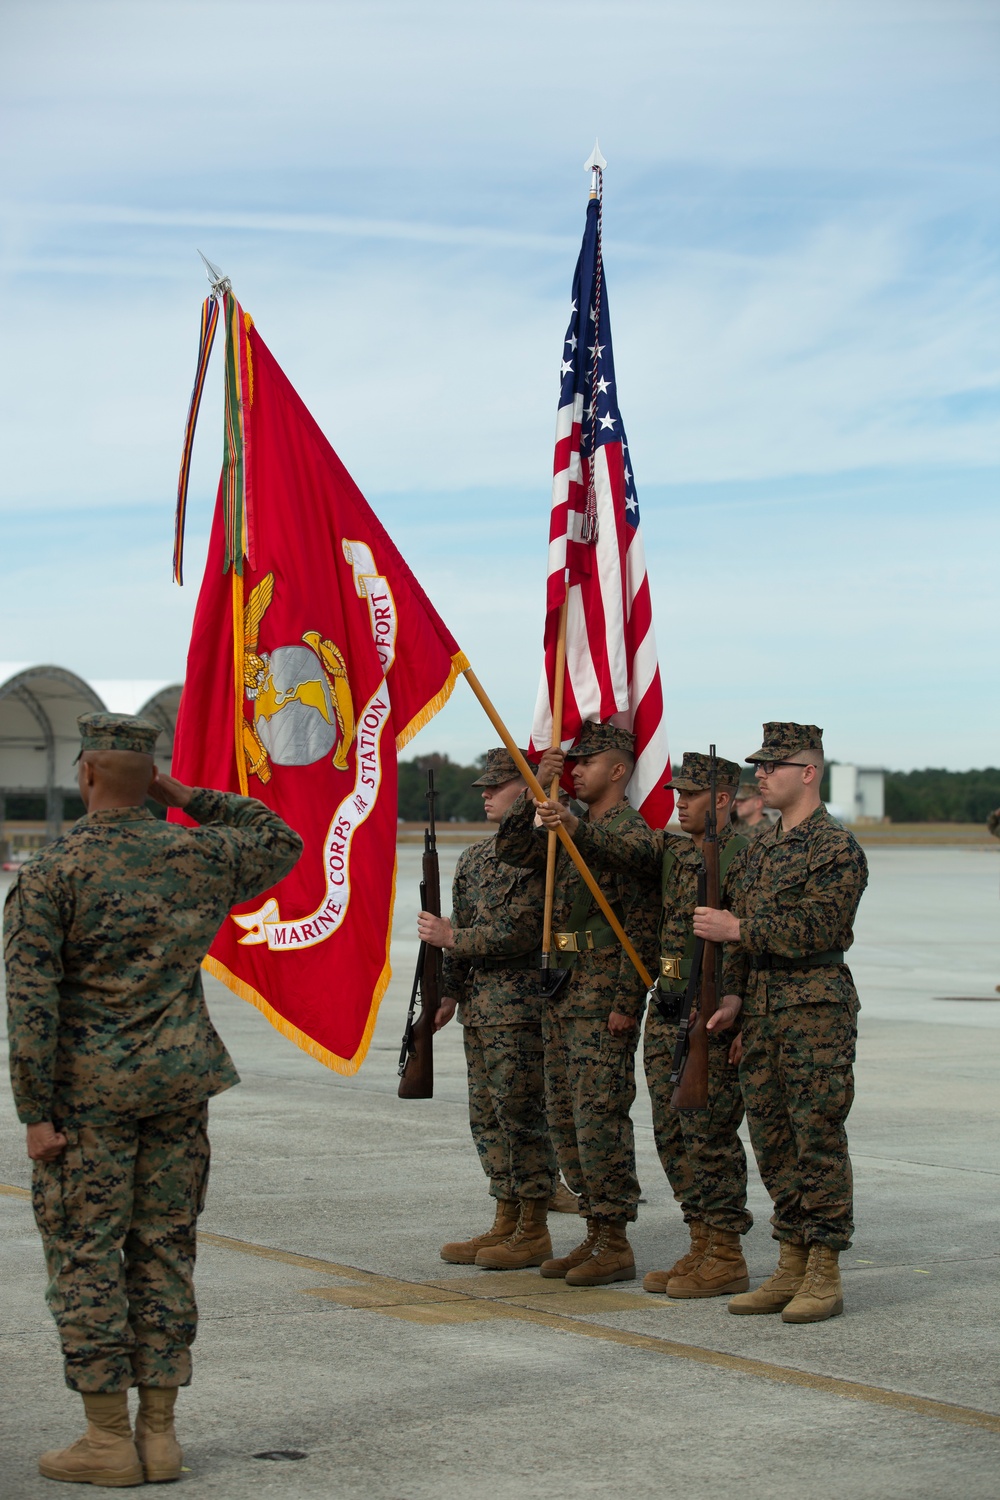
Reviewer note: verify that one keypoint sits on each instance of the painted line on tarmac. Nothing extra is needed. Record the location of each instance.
(456, 1300)
(385, 1295)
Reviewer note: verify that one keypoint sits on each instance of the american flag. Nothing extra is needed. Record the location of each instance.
(596, 552)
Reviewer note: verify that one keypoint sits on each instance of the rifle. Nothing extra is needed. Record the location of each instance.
(690, 1065)
(416, 1056)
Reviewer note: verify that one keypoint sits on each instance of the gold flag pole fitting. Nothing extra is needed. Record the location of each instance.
(539, 791)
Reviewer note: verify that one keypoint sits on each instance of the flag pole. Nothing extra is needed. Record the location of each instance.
(559, 688)
(595, 165)
(538, 791)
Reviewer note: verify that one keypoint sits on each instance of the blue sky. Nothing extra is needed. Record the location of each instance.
(800, 243)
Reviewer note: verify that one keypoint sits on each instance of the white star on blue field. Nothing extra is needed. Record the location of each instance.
(800, 231)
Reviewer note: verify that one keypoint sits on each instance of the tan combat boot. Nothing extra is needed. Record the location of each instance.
(610, 1260)
(105, 1454)
(720, 1272)
(529, 1245)
(464, 1252)
(563, 1264)
(779, 1289)
(821, 1294)
(656, 1281)
(563, 1200)
(155, 1437)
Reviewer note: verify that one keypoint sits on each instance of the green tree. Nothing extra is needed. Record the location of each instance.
(457, 799)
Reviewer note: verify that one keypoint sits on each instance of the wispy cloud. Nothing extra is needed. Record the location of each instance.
(800, 238)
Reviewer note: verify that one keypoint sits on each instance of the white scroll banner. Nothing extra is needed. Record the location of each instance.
(267, 925)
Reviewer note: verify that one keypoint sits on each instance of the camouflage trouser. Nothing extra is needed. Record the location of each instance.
(589, 1089)
(699, 1149)
(117, 1213)
(507, 1109)
(797, 1076)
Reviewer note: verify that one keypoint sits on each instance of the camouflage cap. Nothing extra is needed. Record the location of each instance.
(499, 768)
(116, 732)
(782, 741)
(747, 789)
(593, 738)
(695, 774)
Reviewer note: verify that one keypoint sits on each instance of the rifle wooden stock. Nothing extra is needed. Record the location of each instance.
(416, 1058)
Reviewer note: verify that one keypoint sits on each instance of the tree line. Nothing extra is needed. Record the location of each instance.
(929, 796)
(939, 796)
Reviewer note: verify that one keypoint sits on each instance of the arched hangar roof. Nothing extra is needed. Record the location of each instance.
(39, 739)
(39, 707)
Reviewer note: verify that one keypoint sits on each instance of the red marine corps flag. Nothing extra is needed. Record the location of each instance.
(598, 605)
(315, 655)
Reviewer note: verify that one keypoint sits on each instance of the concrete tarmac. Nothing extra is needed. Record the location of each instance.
(338, 1356)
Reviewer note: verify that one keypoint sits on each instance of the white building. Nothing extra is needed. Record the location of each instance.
(857, 793)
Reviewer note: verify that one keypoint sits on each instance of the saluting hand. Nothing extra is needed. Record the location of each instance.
(168, 791)
(437, 931)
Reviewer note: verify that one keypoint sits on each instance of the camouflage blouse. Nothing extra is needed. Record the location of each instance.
(104, 934)
(493, 969)
(796, 897)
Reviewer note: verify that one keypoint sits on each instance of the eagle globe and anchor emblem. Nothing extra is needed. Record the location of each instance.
(302, 707)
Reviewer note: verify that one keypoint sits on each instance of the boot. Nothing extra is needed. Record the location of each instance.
(656, 1281)
(529, 1245)
(821, 1294)
(105, 1454)
(565, 1263)
(464, 1252)
(563, 1200)
(155, 1437)
(720, 1272)
(610, 1260)
(779, 1289)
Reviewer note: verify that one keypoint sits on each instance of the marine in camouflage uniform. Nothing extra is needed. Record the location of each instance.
(113, 1058)
(748, 792)
(700, 1150)
(590, 1026)
(491, 970)
(795, 905)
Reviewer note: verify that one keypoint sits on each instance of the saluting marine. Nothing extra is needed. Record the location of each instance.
(113, 1059)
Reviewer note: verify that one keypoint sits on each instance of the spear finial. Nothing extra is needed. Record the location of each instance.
(594, 164)
(220, 281)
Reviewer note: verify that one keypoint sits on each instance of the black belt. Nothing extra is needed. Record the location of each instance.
(522, 961)
(802, 961)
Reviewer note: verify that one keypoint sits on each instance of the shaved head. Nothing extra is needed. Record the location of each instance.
(120, 777)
